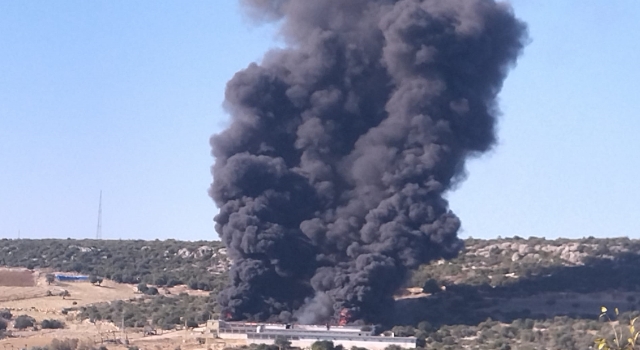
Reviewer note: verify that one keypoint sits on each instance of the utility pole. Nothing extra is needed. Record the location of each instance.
(186, 334)
(99, 229)
(125, 340)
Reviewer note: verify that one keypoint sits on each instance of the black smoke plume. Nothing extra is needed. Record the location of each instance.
(330, 177)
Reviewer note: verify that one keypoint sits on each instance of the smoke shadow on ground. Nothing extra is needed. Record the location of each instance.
(574, 291)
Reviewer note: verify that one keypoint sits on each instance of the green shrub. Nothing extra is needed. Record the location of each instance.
(151, 291)
(66, 344)
(51, 324)
(23, 321)
(322, 345)
(6, 314)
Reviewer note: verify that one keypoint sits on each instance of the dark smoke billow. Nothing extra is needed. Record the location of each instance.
(330, 177)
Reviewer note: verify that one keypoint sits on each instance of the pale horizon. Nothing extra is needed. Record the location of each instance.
(123, 97)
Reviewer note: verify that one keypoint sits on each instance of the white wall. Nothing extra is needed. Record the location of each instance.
(347, 344)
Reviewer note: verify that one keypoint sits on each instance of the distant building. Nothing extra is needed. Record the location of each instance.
(70, 278)
(303, 335)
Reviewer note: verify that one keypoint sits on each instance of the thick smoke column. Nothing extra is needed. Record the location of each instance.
(330, 178)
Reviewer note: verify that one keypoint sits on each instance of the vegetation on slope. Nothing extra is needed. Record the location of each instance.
(200, 265)
(163, 312)
(498, 294)
(536, 263)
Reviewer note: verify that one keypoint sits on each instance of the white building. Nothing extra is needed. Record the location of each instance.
(304, 335)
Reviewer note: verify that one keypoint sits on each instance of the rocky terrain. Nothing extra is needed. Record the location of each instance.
(199, 265)
(510, 293)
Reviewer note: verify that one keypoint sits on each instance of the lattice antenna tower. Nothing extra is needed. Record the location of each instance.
(99, 228)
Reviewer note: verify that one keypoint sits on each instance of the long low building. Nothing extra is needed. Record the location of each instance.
(304, 335)
(63, 277)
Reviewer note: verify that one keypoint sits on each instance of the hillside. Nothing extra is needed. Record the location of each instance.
(496, 262)
(200, 265)
(532, 293)
(561, 264)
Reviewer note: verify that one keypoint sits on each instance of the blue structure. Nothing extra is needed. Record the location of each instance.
(71, 278)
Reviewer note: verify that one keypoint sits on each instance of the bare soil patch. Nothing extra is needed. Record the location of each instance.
(42, 296)
(105, 333)
(175, 290)
(17, 278)
(27, 292)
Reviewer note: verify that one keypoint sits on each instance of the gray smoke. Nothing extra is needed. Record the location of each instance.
(330, 177)
(316, 309)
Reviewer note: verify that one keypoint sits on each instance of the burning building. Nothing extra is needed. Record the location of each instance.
(331, 176)
(303, 336)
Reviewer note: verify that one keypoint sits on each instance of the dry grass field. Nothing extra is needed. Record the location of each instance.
(106, 333)
(18, 284)
(81, 293)
(17, 278)
(26, 292)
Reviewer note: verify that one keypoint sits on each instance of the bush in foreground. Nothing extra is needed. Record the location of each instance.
(51, 324)
(6, 314)
(24, 321)
(69, 344)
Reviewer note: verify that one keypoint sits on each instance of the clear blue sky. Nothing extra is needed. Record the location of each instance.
(122, 97)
